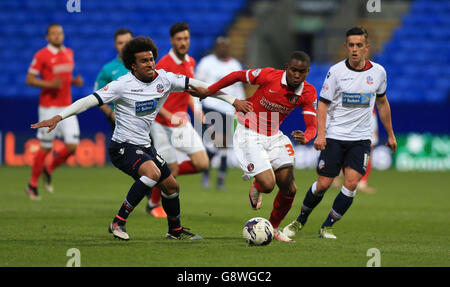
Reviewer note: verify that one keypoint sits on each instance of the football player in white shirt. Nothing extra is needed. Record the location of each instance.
(138, 96)
(351, 89)
(210, 69)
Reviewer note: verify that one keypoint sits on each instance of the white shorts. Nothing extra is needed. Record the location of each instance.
(256, 152)
(168, 140)
(68, 129)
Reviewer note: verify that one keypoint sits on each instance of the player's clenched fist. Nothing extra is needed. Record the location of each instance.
(320, 143)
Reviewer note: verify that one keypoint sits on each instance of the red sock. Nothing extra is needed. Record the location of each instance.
(37, 167)
(369, 167)
(281, 206)
(156, 196)
(59, 159)
(256, 185)
(186, 167)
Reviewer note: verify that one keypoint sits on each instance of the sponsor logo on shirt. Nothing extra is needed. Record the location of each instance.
(62, 68)
(145, 107)
(274, 107)
(356, 100)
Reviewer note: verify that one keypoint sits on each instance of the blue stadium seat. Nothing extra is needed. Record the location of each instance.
(90, 33)
(417, 58)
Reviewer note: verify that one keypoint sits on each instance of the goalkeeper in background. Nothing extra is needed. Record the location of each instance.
(113, 70)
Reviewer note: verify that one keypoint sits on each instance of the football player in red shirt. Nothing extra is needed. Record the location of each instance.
(262, 150)
(54, 65)
(172, 130)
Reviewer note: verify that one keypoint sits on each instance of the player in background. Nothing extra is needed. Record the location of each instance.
(138, 96)
(350, 91)
(51, 70)
(113, 70)
(263, 151)
(210, 69)
(172, 130)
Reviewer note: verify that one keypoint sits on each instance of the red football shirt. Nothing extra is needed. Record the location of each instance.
(50, 62)
(176, 102)
(273, 100)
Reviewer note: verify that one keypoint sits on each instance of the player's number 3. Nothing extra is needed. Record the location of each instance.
(290, 150)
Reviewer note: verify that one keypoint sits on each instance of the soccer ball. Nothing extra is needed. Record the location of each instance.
(258, 231)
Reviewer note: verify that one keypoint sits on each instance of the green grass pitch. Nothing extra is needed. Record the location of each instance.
(406, 220)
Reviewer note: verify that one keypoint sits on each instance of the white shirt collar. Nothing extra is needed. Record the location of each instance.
(55, 50)
(298, 91)
(176, 59)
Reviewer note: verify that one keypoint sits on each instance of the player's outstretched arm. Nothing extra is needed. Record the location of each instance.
(200, 89)
(77, 107)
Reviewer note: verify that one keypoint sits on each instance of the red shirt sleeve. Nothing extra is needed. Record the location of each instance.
(309, 112)
(37, 64)
(226, 81)
(311, 127)
(253, 77)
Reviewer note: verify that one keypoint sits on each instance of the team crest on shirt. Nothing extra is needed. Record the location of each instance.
(159, 88)
(369, 80)
(250, 167)
(292, 98)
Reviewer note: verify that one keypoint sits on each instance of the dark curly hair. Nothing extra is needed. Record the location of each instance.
(137, 45)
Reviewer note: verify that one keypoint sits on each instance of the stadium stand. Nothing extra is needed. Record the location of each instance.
(416, 58)
(90, 32)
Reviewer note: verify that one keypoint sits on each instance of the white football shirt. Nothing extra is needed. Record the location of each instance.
(210, 69)
(137, 103)
(351, 96)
